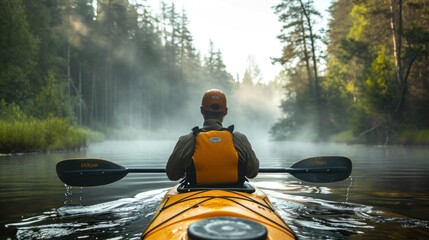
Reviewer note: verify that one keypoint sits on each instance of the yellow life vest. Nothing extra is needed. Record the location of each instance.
(215, 159)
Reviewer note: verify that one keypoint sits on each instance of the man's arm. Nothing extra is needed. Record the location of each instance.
(246, 153)
(180, 158)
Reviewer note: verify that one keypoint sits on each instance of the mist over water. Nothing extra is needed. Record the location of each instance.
(253, 109)
(152, 90)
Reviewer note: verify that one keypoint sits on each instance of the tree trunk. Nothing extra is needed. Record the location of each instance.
(316, 91)
(396, 28)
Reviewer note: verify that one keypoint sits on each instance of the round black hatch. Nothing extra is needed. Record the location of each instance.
(227, 228)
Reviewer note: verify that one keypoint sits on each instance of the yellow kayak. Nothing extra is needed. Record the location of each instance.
(225, 213)
(243, 213)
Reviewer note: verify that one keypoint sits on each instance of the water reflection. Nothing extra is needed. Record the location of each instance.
(293, 186)
(313, 218)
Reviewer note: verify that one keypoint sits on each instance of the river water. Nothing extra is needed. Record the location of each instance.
(386, 197)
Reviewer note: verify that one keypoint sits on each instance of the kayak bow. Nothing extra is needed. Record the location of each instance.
(245, 213)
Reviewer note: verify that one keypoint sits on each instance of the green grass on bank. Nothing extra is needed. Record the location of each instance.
(346, 137)
(405, 137)
(33, 135)
(414, 137)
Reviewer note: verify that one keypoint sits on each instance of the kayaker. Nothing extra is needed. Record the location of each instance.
(213, 155)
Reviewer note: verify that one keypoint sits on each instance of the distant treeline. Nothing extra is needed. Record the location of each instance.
(115, 63)
(375, 86)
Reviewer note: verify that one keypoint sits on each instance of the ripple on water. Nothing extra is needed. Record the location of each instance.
(309, 217)
(123, 218)
(312, 218)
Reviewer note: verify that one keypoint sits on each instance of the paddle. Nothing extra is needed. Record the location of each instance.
(86, 172)
(317, 169)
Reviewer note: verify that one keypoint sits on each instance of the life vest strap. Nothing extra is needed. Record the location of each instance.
(196, 129)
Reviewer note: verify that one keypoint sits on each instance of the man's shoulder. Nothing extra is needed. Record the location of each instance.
(240, 135)
(237, 133)
(187, 137)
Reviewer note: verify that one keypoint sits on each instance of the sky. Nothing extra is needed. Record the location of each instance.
(239, 29)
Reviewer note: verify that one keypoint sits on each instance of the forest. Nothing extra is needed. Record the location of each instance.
(91, 67)
(370, 85)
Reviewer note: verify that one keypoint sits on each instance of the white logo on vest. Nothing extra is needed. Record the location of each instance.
(215, 139)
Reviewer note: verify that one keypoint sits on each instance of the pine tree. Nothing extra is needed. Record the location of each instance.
(18, 48)
(299, 37)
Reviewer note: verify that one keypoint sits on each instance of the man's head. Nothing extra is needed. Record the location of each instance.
(213, 104)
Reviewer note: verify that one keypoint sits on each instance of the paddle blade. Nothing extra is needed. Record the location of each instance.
(323, 169)
(85, 172)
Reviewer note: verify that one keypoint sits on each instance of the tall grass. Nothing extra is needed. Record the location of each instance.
(405, 137)
(345, 137)
(31, 135)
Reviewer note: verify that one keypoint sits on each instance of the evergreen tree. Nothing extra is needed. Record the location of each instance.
(374, 53)
(18, 49)
(253, 73)
(343, 68)
(300, 37)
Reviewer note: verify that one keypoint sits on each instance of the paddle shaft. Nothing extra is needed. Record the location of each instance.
(162, 170)
(95, 172)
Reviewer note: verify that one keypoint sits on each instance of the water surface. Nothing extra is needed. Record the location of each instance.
(386, 196)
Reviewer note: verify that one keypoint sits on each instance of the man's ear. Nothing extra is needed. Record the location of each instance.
(226, 112)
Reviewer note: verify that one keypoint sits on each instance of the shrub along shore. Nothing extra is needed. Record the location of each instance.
(51, 134)
(404, 137)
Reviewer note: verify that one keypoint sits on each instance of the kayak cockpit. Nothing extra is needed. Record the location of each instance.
(227, 228)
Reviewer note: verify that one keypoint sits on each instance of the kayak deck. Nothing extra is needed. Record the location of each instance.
(178, 211)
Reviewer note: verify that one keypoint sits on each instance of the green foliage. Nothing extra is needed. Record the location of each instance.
(414, 137)
(126, 66)
(17, 51)
(11, 112)
(40, 135)
(359, 22)
(379, 93)
(113, 68)
(373, 115)
(50, 100)
(339, 91)
(282, 130)
(376, 78)
(299, 122)
(300, 53)
(344, 137)
(22, 133)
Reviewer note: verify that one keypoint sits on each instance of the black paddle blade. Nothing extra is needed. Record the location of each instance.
(322, 169)
(85, 172)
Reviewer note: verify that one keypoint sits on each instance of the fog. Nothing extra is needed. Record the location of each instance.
(252, 109)
(145, 83)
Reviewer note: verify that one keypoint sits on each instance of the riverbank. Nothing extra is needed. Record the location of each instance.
(404, 137)
(56, 134)
(51, 134)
